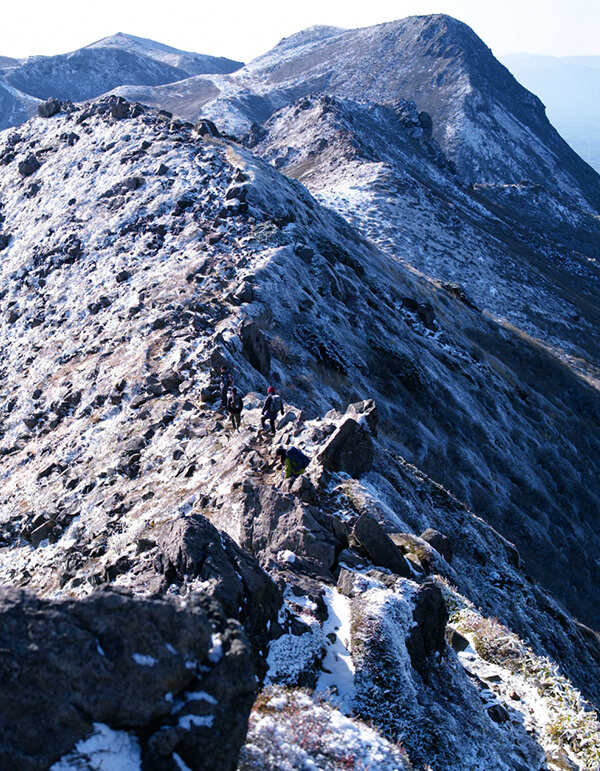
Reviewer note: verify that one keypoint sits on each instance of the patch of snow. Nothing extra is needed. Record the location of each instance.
(187, 721)
(215, 653)
(337, 670)
(200, 696)
(144, 661)
(180, 764)
(104, 750)
(286, 556)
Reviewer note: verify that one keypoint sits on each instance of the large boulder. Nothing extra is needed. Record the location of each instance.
(192, 549)
(379, 546)
(274, 524)
(430, 615)
(367, 411)
(29, 166)
(126, 662)
(49, 108)
(349, 449)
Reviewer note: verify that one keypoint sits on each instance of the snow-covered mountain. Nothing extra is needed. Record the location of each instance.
(425, 594)
(98, 68)
(568, 86)
(492, 128)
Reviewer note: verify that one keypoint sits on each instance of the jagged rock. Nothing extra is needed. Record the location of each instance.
(412, 544)
(191, 548)
(273, 524)
(440, 542)
(119, 660)
(304, 490)
(366, 409)
(458, 641)
(71, 138)
(426, 122)
(4, 241)
(41, 533)
(119, 108)
(49, 108)
(410, 304)
(379, 546)
(349, 449)
(255, 347)
(29, 166)
(498, 713)
(237, 191)
(208, 397)
(301, 586)
(426, 314)
(244, 293)
(428, 634)
(171, 382)
(206, 127)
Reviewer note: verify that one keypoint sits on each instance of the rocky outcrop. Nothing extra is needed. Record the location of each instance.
(255, 347)
(349, 449)
(192, 549)
(428, 634)
(122, 661)
(274, 525)
(379, 547)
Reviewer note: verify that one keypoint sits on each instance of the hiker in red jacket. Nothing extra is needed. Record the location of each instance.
(271, 408)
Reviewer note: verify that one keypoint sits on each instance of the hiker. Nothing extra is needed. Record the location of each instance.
(235, 405)
(225, 385)
(271, 408)
(294, 461)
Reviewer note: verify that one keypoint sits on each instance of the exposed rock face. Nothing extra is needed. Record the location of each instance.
(191, 548)
(121, 660)
(428, 634)
(275, 523)
(256, 347)
(349, 449)
(379, 546)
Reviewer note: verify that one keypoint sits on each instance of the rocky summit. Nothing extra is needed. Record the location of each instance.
(425, 593)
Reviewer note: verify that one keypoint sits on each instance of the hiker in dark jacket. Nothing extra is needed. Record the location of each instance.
(235, 405)
(293, 460)
(225, 385)
(271, 408)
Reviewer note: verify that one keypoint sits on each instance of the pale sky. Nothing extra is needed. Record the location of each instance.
(243, 29)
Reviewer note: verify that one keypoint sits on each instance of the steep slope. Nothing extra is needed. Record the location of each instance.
(567, 86)
(15, 107)
(518, 252)
(137, 258)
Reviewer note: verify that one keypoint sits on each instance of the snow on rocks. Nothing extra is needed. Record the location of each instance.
(117, 470)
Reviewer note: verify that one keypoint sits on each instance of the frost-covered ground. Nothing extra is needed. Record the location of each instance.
(124, 253)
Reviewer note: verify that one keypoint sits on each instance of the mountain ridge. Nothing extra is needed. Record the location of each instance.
(431, 577)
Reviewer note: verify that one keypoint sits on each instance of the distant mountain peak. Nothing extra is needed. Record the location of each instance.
(313, 34)
(132, 42)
